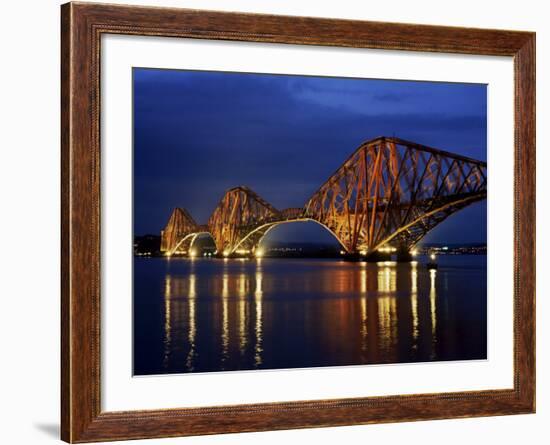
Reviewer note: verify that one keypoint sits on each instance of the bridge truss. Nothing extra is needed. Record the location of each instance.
(389, 192)
(394, 190)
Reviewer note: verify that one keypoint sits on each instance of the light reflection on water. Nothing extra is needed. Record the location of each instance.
(210, 315)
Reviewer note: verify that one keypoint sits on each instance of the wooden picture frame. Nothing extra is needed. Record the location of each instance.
(82, 26)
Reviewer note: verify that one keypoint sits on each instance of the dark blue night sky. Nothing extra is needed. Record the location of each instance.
(196, 134)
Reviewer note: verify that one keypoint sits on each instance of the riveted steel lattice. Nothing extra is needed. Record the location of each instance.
(394, 191)
(388, 192)
(240, 212)
(179, 226)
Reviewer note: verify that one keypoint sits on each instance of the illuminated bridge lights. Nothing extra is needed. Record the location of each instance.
(389, 192)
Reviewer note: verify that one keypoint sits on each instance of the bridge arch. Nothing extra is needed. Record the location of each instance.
(409, 235)
(253, 239)
(185, 244)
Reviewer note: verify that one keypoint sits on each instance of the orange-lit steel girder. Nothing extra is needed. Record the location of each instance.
(179, 226)
(389, 191)
(239, 212)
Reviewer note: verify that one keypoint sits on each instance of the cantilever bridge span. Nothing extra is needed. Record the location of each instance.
(389, 192)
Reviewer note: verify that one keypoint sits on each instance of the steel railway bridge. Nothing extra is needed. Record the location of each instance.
(388, 194)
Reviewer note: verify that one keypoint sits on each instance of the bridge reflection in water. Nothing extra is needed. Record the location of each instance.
(195, 315)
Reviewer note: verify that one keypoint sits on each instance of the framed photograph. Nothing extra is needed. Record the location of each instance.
(275, 222)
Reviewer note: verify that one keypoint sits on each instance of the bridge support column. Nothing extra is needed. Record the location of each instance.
(374, 257)
(351, 257)
(404, 256)
(240, 253)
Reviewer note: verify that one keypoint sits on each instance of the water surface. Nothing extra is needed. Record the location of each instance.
(204, 315)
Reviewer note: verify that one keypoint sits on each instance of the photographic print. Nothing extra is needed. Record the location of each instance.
(288, 221)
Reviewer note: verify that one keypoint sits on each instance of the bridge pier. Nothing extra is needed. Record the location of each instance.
(376, 256)
(351, 257)
(236, 254)
(404, 256)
